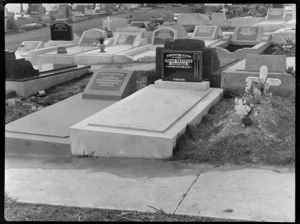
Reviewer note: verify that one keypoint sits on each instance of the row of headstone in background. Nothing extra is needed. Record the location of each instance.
(18, 68)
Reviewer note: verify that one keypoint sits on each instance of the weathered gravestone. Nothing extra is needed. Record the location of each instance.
(247, 35)
(61, 31)
(207, 32)
(181, 32)
(18, 68)
(160, 35)
(90, 37)
(183, 66)
(110, 84)
(276, 14)
(64, 12)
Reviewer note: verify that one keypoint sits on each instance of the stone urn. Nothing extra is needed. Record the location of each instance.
(101, 44)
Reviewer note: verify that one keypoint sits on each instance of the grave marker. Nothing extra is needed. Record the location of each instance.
(126, 38)
(108, 22)
(206, 32)
(61, 31)
(160, 35)
(110, 84)
(247, 35)
(90, 37)
(184, 66)
(276, 14)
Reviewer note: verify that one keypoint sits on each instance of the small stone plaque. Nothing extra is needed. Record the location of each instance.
(247, 33)
(205, 32)
(110, 81)
(90, 37)
(160, 35)
(184, 66)
(275, 14)
(61, 31)
(110, 84)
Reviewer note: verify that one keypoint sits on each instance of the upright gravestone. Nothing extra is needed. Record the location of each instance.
(184, 66)
(276, 14)
(90, 37)
(64, 12)
(160, 35)
(110, 84)
(247, 35)
(181, 32)
(61, 31)
(206, 32)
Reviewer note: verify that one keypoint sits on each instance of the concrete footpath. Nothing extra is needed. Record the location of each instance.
(240, 192)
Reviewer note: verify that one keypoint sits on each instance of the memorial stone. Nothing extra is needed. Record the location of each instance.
(276, 14)
(162, 34)
(110, 84)
(61, 31)
(184, 66)
(90, 37)
(64, 12)
(206, 32)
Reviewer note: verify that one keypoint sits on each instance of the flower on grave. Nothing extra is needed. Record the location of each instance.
(243, 107)
(101, 39)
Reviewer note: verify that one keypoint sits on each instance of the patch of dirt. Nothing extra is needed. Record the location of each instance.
(233, 47)
(221, 138)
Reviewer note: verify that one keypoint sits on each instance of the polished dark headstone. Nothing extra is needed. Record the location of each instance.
(61, 31)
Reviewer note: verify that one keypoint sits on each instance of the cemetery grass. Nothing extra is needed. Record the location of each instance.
(222, 139)
(17, 211)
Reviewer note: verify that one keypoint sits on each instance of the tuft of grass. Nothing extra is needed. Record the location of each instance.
(15, 211)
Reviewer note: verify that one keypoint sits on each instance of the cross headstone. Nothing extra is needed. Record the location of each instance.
(108, 21)
(263, 78)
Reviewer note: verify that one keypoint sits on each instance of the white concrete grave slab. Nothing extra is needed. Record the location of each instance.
(123, 40)
(87, 42)
(143, 125)
(26, 46)
(147, 53)
(274, 20)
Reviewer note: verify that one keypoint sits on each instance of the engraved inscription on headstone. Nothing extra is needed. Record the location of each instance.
(247, 33)
(61, 31)
(110, 81)
(275, 14)
(125, 38)
(182, 65)
(205, 31)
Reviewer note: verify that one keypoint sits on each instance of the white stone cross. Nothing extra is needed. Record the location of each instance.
(263, 78)
(224, 10)
(108, 22)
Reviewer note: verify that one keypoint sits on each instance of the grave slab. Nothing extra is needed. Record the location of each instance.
(282, 35)
(87, 42)
(122, 41)
(146, 124)
(274, 20)
(250, 193)
(234, 78)
(27, 87)
(40, 133)
(146, 53)
(26, 46)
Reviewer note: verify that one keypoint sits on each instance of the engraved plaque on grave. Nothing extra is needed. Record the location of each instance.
(247, 33)
(110, 84)
(61, 31)
(111, 81)
(184, 66)
(275, 14)
(205, 31)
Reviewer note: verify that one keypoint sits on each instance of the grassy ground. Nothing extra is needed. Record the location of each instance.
(15, 211)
